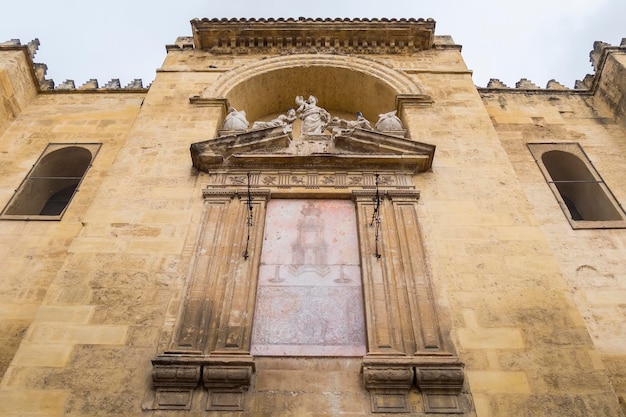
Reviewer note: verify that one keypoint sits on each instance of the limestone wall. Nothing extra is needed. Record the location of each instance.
(612, 85)
(591, 261)
(515, 324)
(88, 301)
(17, 88)
(48, 318)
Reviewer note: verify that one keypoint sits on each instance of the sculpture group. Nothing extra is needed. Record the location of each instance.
(315, 120)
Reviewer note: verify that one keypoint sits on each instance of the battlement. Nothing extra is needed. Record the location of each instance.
(597, 57)
(40, 70)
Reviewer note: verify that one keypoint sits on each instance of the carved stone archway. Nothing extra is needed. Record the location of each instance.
(342, 83)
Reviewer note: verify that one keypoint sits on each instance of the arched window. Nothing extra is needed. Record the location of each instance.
(583, 195)
(52, 182)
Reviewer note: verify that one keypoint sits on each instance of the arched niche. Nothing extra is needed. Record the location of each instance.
(50, 185)
(584, 197)
(582, 193)
(342, 85)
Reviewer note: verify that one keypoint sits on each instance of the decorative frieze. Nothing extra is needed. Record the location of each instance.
(331, 180)
(362, 36)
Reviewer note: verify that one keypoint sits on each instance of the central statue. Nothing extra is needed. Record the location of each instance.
(314, 118)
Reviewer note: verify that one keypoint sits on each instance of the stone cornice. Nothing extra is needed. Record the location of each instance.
(271, 148)
(362, 36)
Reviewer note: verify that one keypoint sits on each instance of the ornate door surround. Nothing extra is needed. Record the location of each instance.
(407, 345)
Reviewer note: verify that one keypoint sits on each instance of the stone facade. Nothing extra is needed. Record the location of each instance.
(479, 296)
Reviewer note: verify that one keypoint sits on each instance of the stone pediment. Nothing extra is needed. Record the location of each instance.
(273, 148)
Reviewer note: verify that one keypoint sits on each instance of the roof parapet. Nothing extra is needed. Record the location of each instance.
(40, 70)
(597, 57)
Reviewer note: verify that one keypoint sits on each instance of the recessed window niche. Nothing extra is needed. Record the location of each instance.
(51, 183)
(585, 199)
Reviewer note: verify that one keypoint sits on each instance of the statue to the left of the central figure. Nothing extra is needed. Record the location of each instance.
(236, 120)
(314, 118)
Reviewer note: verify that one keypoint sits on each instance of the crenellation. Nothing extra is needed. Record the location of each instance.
(595, 56)
(67, 85)
(40, 73)
(555, 85)
(526, 84)
(596, 53)
(92, 84)
(113, 84)
(136, 83)
(33, 46)
(11, 42)
(496, 83)
(585, 83)
(182, 42)
(44, 84)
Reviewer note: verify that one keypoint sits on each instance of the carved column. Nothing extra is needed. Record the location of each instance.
(381, 309)
(212, 338)
(404, 335)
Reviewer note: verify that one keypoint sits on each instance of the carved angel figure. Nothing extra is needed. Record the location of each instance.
(388, 122)
(235, 120)
(285, 120)
(339, 126)
(361, 122)
(314, 118)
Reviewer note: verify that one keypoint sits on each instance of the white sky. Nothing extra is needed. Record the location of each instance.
(539, 40)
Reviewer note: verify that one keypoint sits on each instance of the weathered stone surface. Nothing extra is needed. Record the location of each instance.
(478, 296)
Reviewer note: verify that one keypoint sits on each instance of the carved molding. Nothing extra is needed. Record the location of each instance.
(211, 346)
(404, 321)
(219, 306)
(398, 81)
(170, 374)
(226, 378)
(441, 386)
(404, 334)
(438, 376)
(389, 388)
(309, 35)
(309, 182)
(272, 148)
(405, 101)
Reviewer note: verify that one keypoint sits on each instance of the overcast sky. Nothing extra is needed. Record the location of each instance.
(536, 39)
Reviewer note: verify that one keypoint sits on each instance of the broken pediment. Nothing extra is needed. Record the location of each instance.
(274, 148)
